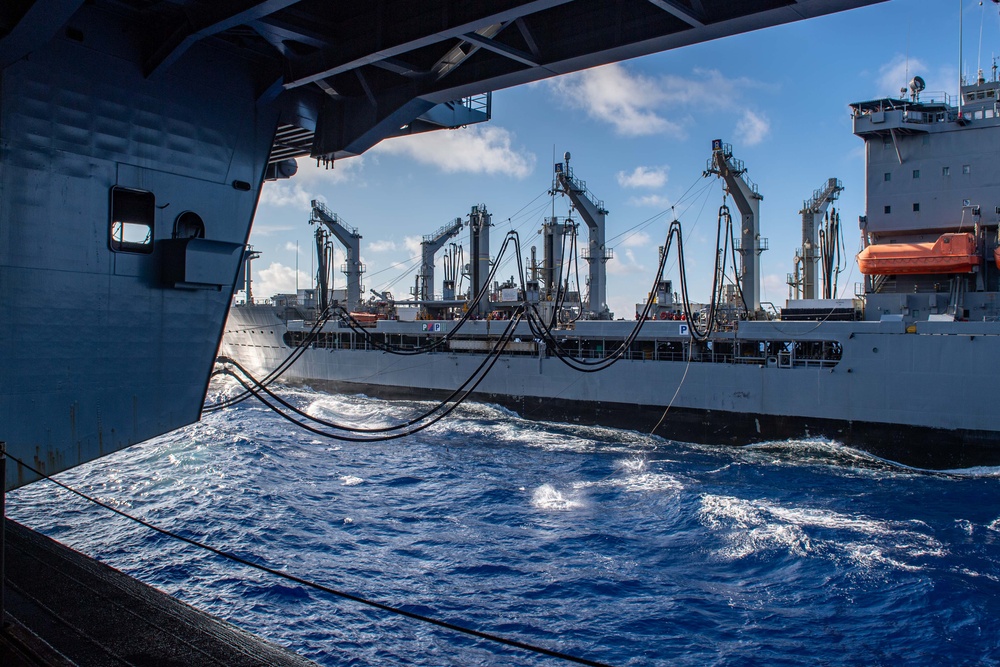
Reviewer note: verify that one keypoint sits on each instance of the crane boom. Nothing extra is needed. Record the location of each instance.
(351, 240)
(812, 212)
(596, 253)
(747, 199)
(428, 247)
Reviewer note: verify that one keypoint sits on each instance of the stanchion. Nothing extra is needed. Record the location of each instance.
(3, 533)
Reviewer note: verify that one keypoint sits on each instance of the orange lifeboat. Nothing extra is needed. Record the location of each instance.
(365, 319)
(996, 256)
(951, 253)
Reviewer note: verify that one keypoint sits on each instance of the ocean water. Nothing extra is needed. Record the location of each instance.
(606, 544)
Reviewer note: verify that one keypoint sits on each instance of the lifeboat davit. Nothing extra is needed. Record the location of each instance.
(951, 253)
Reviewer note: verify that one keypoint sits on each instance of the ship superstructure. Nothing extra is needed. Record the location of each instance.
(933, 204)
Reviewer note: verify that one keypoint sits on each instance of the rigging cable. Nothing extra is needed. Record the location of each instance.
(355, 326)
(534, 320)
(543, 332)
(737, 278)
(490, 358)
(314, 585)
(279, 370)
(723, 230)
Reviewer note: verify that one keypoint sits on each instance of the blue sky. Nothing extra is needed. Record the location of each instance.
(640, 134)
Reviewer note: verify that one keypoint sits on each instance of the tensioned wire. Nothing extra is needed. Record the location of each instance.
(317, 586)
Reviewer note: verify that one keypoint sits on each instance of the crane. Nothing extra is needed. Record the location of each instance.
(813, 211)
(747, 199)
(424, 289)
(350, 239)
(597, 255)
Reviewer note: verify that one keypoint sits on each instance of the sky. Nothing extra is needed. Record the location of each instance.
(640, 134)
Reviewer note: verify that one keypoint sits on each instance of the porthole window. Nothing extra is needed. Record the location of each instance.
(131, 226)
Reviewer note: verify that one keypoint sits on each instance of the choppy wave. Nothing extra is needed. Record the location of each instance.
(752, 526)
(547, 497)
(608, 544)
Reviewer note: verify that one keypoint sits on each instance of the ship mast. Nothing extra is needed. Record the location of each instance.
(480, 221)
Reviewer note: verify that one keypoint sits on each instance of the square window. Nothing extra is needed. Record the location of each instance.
(916, 207)
(888, 210)
(916, 173)
(131, 226)
(946, 171)
(966, 168)
(887, 177)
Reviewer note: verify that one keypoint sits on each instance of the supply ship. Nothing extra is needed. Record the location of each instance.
(901, 369)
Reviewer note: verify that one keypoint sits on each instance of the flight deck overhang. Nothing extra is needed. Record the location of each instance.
(350, 73)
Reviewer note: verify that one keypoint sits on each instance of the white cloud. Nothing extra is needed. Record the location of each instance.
(266, 230)
(479, 149)
(774, 288)
(614, 95)
(412, 245)
(635, 104)
(896, 74)
(278, 279)
(292, 247)
(653, 201)
(636, 240)
(286, 193)
(299, 190)
(382, 246)
(753, 128)
(644, 177)
(626, 264)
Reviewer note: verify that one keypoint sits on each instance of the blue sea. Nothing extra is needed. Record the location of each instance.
(606, 544)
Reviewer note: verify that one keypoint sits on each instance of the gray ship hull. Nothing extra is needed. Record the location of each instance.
(921, 398)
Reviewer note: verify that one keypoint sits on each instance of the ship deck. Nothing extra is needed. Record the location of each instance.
(64, 608)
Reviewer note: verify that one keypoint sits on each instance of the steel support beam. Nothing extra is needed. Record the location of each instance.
(502, 49)
(38, 25)
(355, 54)
(224, 15)
(683, 13)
